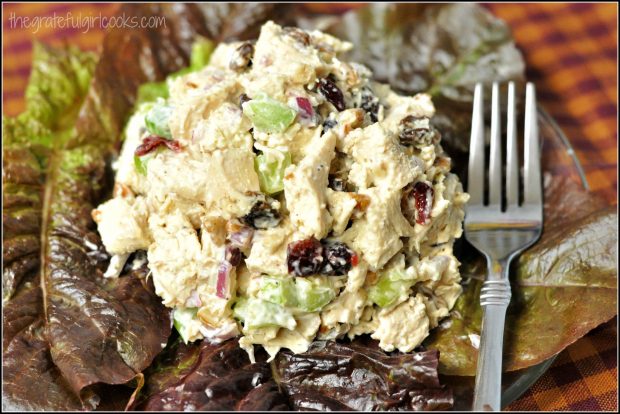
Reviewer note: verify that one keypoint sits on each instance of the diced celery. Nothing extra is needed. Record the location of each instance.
(396, 274)
(241, 308)
(140, 164)
(156, 120)
(388, 289)
(257, 313)
(308, 294)
(270, 166)
(269, 115)
(312, 295)
(280, 290)
(182, 318)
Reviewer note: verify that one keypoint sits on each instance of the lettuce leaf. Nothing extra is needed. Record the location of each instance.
(77, 319)
(199, 58)
(151, 91)
(21, 211)
(201, 53)
(58, 83)
(30, 380)
(55, 91)
(334, 376)
(90, 318)
(440, 49)
(209, 377)
(28, 140)
(329, 376)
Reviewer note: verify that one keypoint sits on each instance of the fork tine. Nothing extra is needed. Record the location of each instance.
(495, 162)
(512, 156)
(531, 183)
(475, 176)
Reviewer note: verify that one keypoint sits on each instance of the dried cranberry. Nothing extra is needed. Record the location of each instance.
(151, 143)
(243, 98)
(338, 258)
(262, 216)
(332, 93)
(304, 257)
(422, 196)
(242, 58)
(232, 255)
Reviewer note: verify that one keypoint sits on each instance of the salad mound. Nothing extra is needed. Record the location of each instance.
(281, 194)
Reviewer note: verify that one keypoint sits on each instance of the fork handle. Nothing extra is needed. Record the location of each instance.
(494, 299)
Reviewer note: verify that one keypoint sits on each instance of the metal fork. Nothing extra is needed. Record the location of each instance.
(500, 234)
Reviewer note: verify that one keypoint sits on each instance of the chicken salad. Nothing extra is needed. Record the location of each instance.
(282, 195)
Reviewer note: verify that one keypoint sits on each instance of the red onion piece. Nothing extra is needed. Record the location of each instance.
(242, 239)
(223, 276)
(232, 258)
(305, 108)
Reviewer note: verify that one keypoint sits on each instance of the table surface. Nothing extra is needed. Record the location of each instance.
(571, 55)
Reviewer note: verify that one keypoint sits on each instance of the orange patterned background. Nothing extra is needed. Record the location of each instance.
(571, 55)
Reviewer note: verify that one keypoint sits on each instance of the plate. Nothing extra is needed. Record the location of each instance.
(558, 158)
